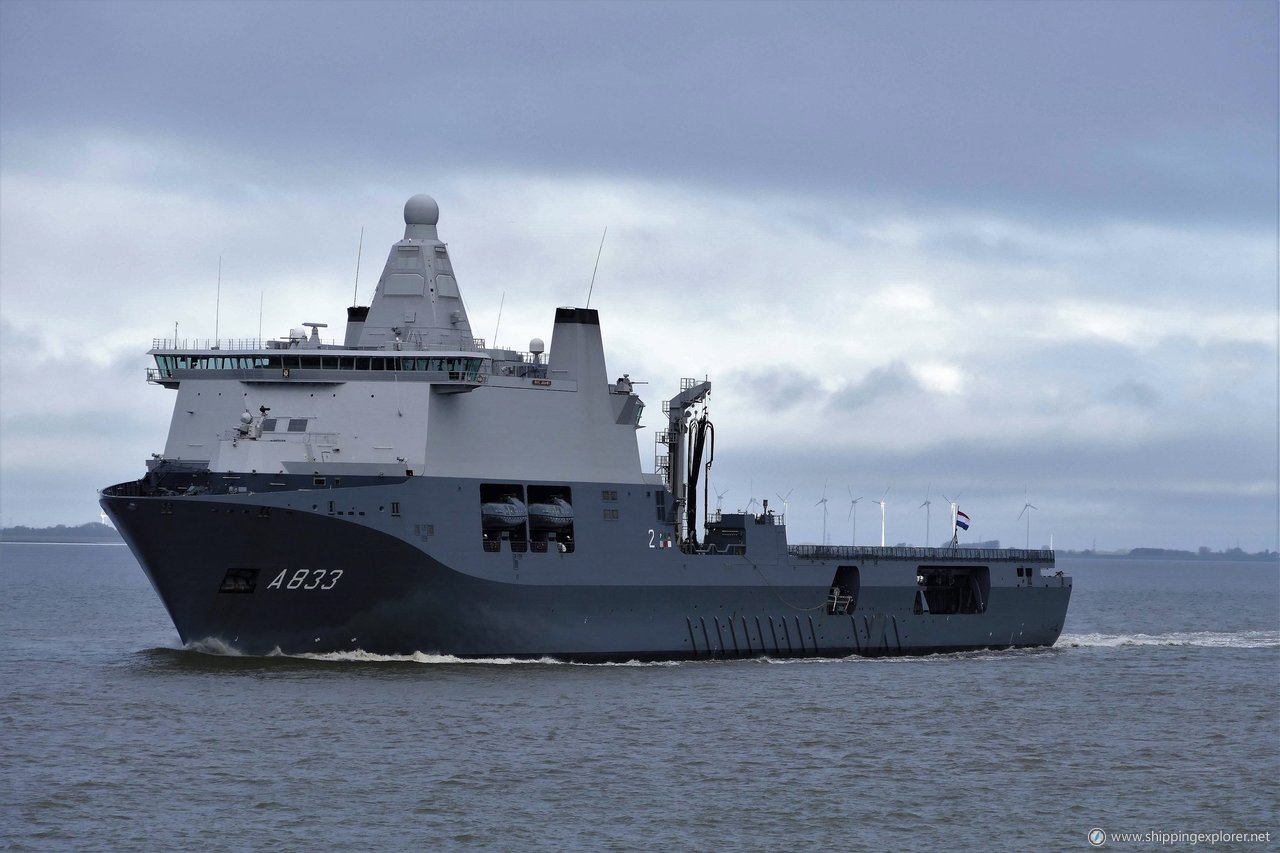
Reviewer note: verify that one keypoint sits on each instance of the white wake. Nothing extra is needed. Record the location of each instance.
(1206, 639)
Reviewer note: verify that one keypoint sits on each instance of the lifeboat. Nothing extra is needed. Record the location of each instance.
(504, 513)
(551, 514)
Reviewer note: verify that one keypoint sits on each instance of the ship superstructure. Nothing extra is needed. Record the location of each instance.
(411, 490)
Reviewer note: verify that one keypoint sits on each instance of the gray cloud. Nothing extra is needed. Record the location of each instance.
(1130, 393)
(1092, 110)
(773, 390)
(880, 382)
(978, 246)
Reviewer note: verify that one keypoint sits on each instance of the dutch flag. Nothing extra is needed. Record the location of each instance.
(962, 520)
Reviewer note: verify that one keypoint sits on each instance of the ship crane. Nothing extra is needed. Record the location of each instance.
(686, 442)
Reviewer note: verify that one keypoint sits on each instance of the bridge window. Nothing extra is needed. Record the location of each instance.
(457, 367)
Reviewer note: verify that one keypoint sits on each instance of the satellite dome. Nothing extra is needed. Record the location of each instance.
(421, 210)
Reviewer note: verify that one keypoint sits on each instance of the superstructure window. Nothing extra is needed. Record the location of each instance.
(269, 425)
(297, 424)
(407, 257)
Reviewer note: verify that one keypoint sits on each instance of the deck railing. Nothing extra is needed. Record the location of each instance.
(260, 344)
(875, 552)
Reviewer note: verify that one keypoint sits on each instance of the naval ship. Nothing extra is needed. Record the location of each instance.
(411, 490)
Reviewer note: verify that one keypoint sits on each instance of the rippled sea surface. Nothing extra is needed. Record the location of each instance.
(1158, 711)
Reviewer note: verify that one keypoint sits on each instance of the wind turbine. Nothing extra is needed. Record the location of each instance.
(1026, 505)
(882, 505)
(823, 503)
(926, 505)
(853, 513)
(783, 498)
(720, 497)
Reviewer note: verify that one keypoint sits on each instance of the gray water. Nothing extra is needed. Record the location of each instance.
(1157, 711)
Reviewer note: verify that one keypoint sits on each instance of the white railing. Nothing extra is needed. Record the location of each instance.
(850, 552)
(234, 344)
(276, 344)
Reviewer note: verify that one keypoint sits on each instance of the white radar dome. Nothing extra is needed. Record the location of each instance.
(421, 210)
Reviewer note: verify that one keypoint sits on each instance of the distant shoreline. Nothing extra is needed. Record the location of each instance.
(1231, 555)
(68, 542)
(92, 533)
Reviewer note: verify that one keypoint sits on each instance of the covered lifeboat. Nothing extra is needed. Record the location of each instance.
(550, 515)
(509, 512)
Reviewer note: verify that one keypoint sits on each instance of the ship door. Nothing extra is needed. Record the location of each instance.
(946, 590)
(843, 597)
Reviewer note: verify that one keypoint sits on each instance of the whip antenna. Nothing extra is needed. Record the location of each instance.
(217, 304)
(498, 324)
(597, 266)
(359, 251)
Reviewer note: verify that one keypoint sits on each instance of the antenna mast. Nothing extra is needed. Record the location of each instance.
(498, 324)
(217, 304)
(359, 251)
(597, 266)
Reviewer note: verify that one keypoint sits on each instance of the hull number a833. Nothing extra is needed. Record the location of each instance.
(306, 579)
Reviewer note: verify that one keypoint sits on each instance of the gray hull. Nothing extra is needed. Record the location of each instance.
(267, 572)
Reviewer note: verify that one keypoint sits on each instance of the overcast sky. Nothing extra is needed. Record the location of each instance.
(994, 249)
